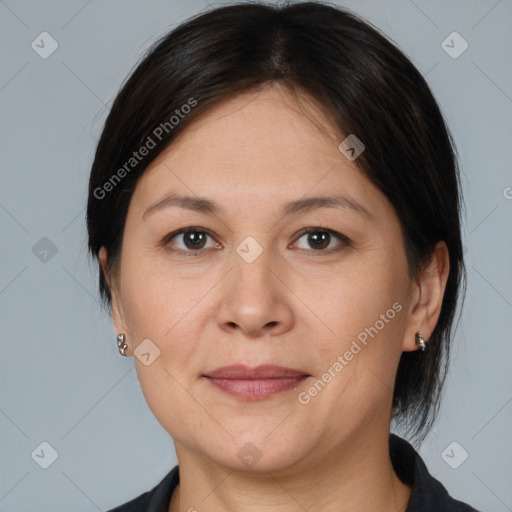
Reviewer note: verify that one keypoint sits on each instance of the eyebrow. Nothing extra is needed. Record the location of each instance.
(204, 205)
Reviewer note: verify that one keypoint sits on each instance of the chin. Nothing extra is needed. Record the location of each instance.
(256, 452)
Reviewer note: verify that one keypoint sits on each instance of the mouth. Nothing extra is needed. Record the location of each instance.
(255, 383)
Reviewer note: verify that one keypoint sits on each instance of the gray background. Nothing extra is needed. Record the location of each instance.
(62, 380)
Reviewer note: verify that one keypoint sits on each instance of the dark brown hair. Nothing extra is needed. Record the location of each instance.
(369, 87)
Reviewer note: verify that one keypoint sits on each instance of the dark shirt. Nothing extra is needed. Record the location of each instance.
(428, 494)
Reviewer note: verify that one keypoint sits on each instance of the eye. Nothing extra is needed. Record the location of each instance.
(320, 239)
(191, 239)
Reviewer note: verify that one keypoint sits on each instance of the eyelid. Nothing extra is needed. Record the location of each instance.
(188, 229)
(345, 241)
(343, 238)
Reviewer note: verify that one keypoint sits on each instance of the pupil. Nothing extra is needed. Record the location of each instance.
(320, 239)
(195, 238)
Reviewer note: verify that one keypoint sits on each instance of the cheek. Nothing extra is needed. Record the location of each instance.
(168, 400)
(354, 299)
(165, 308)
(364, 309)
(153, 298)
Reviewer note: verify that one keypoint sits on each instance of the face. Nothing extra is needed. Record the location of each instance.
(266, 270)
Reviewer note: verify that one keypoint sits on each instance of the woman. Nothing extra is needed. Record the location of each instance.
(274, 206)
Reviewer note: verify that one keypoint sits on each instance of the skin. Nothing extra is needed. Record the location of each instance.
(294, 306)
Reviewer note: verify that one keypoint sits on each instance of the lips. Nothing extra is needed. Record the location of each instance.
(255, 383)
(267, 371)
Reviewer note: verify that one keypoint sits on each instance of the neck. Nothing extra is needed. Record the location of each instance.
(357, 475)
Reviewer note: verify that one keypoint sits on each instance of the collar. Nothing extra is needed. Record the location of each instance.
(427, 492)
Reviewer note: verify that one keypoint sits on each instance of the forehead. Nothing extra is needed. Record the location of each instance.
(262, 146)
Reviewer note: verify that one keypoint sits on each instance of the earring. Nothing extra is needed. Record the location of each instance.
(420, 341)
(121, 345)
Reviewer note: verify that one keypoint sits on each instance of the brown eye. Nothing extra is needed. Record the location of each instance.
(194, 239)
(190, 240)
(321, 239)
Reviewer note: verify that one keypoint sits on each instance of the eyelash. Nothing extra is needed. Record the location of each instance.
(345, 241)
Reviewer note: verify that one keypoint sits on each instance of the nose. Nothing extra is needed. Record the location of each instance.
(255, 300)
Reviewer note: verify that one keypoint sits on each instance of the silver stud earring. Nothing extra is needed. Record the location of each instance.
(420, 341)
(121, 345)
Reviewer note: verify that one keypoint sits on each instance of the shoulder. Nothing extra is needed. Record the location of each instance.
(154, 500)
(139, 504)
(428, 494)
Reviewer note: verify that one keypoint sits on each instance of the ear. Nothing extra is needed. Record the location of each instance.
(113, 284)
(427, 298)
